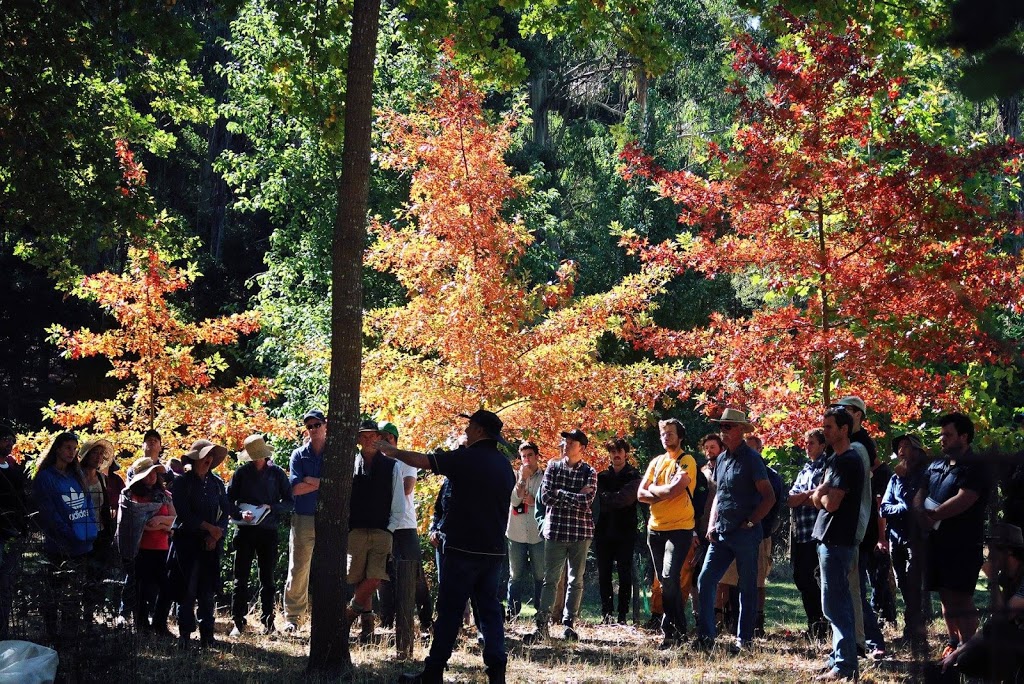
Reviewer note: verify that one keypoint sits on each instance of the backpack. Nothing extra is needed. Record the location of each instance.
(771, 522)
(699, 498)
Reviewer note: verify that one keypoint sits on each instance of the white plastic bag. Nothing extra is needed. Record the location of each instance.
(22, 662)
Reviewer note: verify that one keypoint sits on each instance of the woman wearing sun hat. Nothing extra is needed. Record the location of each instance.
(143, 538)
(202, 507)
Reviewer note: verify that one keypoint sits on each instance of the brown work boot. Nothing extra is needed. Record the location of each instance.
(366, 628)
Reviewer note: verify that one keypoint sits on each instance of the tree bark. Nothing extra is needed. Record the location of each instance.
(328, 646)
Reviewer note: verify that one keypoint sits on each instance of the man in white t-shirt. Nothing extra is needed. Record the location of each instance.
(406, 545)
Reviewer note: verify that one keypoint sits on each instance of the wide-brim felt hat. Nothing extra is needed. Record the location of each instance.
(1005, 535)
(108, 451)
(736, 416)
(201, 448)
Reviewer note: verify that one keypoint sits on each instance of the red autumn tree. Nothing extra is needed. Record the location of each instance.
(474, 332)
(877, 250)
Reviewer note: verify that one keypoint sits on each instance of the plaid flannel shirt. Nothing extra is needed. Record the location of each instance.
(568, 518)
(805, 514)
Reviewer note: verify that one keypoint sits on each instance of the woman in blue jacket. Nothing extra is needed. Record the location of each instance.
(69, 525)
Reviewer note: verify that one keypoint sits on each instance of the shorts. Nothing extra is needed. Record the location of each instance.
(952, 565)
(368, 551)
(764, 566)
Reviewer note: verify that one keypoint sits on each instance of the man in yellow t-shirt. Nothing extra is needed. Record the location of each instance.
(668, 487)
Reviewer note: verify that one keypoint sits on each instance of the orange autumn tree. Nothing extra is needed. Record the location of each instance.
(474, 332)
(153, 354)
(876, 244)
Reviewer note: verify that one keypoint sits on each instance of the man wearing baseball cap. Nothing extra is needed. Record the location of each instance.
(568, 491)
(405, 546)
(304, 468)
(481, 481)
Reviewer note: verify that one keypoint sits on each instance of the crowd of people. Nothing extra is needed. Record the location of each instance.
(856, 520)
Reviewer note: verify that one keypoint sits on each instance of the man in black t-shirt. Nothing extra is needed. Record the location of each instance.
(951, 503)
(473, 531)
(838, 500)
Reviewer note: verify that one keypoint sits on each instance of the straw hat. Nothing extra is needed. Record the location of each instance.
(736, 416)
(141, 468)
(201, 448)
(255, 449)
(108, 452)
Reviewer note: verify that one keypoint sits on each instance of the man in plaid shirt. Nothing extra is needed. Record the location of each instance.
(567, 492)
(802, 546)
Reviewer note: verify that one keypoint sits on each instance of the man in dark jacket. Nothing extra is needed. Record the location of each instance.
(260, 494)
(473, 530)
(615, 531)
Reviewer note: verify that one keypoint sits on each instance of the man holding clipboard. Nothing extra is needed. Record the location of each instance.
(260, 494)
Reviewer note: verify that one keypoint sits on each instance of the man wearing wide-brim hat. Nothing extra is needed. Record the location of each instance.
(201, 505)
(744, 496)
(481, 481)
(257, 483)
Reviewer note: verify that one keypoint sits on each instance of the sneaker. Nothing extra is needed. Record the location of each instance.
(877, 654)
(738, 646)
(836, 675)
(480, 639)
(235, 631)
(290, 628)
(569, 634)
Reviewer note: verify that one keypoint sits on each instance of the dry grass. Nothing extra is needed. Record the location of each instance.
(603, 654)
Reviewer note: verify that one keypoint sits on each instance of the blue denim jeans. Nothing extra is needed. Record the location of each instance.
(741, 546)
(465, 576)
(555, 556)
(837, 604)
(519, 556)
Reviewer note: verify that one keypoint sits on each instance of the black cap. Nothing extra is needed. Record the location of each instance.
(368, 426)
(315, 413)
(489, 421)
(152, 433)
(577, 435)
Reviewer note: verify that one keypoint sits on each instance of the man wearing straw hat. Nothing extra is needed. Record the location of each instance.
(743, 496)
(259, 484)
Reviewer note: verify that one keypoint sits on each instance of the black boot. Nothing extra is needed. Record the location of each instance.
(495, 672)
(431, 674)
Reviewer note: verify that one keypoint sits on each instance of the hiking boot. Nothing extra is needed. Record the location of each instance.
(654, 623)
(569, 634)
(290, 628)
(538, 636)
(670, 643)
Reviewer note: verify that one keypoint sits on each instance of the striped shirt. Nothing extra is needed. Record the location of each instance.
(569, 518)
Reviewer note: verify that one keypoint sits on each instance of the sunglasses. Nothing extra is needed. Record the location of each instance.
(729, 426)
(314, 426)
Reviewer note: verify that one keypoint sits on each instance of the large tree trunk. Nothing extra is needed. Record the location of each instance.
(328, 646)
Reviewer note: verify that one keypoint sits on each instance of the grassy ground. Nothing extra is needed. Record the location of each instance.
(605, 653)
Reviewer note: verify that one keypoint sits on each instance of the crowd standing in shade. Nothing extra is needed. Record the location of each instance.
(854, 520)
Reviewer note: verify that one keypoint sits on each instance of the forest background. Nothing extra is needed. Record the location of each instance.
(580, 214)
